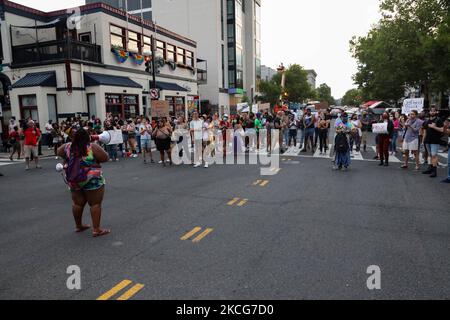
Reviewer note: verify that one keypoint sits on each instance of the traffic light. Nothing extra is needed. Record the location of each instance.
(148, 65)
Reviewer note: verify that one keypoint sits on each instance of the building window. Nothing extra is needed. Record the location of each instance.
(160, 49)
(181, 56)
(85, 37)
(134, 44)
(147, 47)
(122, 105)
(189, 58)
(239, 58)
(118, 38)
(239, 79)
(170, 53)
(28, 107)
(52, 108)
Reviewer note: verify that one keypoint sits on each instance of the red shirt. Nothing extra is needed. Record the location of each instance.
(31, 136)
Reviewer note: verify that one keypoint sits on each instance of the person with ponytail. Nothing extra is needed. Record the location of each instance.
(85, 179)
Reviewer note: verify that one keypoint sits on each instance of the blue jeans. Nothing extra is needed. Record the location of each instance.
(112, 151)
(393, 146)
(286, 136)
(301, 133)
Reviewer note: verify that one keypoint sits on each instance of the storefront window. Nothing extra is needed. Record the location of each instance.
(123, 106)
(176, 106)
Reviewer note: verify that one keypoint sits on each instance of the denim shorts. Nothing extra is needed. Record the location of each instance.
(433, 149)
(146, 144)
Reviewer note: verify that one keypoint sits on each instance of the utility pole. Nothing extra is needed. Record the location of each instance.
(153, 56)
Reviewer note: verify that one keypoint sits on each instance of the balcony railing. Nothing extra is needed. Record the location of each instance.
(56, 50)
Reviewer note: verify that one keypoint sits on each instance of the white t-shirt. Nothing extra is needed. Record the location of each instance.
(146, 135)
(48, 127)
(206, 131)
(197, 126)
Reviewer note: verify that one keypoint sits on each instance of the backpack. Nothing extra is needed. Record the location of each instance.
(75, 172)
(342, 143)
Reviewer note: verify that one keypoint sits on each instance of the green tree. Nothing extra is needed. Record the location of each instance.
(270, 92)
(353, 97)
(323, 94)
(297, 88)
(408, 47)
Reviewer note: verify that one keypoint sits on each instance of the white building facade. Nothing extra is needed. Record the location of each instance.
(228, 36)
(51, 70)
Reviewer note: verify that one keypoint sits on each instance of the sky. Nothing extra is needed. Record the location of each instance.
(312, 33)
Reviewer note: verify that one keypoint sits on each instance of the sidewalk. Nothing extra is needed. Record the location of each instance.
(46, 153)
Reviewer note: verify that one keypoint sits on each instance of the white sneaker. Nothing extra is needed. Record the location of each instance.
(206, 165)
(197, 165)
(160, 161)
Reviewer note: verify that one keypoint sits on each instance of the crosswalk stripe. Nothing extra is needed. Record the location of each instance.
(190, 233)
(202, 235)
(123, 284)
(130, 293)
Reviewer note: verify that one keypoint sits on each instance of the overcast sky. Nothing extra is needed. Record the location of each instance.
(312, 33)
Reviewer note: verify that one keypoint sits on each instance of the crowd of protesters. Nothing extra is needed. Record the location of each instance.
(300, 132)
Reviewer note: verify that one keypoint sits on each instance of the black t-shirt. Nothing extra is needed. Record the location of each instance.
(433, 136)
(277, 123)
(250, 124)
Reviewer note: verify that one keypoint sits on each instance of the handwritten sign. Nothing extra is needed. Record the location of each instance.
(116, 137)
(160, 109)
(413, 104)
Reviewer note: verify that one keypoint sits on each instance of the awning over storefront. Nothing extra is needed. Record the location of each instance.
(168, 86)
(38, 79)
(97, 79)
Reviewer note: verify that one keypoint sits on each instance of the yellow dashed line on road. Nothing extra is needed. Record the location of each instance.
(194, 232)
(130, 293)
(233, 201)
(190, 233)
(243, 201)
(119, 287)
(202, 235)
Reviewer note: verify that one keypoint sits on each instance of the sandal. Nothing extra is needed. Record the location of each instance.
(101, 233)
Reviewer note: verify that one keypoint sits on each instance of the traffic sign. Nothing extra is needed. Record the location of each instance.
(154, 94)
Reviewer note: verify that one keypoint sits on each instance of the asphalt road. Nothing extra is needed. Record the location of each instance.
(307, 233)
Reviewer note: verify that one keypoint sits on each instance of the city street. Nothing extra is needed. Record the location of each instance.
(181, 233)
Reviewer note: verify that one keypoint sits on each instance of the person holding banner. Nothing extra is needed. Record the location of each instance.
(411, 139)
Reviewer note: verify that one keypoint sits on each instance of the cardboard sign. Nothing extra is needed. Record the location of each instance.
(413, 104)
(160, 109)
(116, 137)
(380, 128)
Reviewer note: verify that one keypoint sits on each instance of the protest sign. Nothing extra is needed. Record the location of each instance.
(160, 109)
(116, 137)
(413, 104)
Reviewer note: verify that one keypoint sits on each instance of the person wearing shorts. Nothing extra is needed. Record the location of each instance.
(432, 140)
(411, 140)
(32, 137)
(92, 190)
(145, 130)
